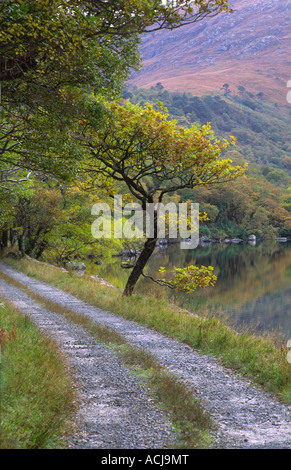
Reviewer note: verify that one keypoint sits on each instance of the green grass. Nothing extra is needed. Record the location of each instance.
(37, 393)
(257, 357)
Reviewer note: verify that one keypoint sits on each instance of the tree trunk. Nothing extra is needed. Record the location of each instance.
(143, 258)
(11, 237)
(3, 241)
(21, 242)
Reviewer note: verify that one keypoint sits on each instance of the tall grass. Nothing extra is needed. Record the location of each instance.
(257, 357)
(37, 393)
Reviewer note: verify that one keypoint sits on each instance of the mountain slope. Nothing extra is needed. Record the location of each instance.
(250, 48)
(260, 202)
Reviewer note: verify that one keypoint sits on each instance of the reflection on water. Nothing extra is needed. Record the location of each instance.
(253, 287)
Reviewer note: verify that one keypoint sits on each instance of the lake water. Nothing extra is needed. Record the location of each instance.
(253, 287)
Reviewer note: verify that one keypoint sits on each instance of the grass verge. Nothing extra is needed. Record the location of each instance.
(37, 393)
(256, 357)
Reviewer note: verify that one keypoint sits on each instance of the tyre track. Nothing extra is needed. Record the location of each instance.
(116, 411)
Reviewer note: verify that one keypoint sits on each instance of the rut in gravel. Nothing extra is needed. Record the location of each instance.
(246, 416)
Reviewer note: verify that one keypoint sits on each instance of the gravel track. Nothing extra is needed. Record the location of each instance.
(246, 417)
(116, 410)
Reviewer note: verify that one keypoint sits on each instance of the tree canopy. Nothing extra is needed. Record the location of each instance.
(53, 53)
(153, 157)
(47, 36)
(151, 154)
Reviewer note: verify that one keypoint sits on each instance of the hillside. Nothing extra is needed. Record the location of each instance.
(262, 130)
(249, 48)
(260, 203)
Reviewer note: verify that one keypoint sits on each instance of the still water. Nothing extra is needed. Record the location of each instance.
(253, 288)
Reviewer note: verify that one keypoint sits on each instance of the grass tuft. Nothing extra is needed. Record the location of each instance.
(37, 393)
